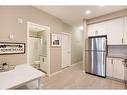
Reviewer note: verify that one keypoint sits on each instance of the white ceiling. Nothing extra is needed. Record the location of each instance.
(74, 15)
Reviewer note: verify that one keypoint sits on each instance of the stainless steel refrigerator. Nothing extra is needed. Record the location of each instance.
(95, 55)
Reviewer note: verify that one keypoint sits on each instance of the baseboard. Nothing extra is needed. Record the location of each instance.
(55, 73)
(116, 79)
(64, 68)
(76, 63)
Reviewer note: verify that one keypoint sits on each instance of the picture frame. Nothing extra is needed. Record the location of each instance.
(7, 48)
(55, 40)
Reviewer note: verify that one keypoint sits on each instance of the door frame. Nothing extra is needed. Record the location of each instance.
(69, 35)
(48, 43)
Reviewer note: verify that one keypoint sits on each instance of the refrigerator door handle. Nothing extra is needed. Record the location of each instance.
(111, 61)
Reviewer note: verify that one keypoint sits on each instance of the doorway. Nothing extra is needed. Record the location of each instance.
(66, 50)
(38, 47)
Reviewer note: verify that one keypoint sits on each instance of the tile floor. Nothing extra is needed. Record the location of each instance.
(74, 78)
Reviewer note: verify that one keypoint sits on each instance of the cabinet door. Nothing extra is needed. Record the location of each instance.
(125, 31)
(101, 28)
(97, 29)
(109, 67)
(91, 29)
(115, 29)
(118, 68)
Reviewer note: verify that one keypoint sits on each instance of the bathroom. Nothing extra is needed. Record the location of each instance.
(38, 48)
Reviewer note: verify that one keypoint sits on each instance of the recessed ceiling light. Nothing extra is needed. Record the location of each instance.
(81, 28)
(88, 12)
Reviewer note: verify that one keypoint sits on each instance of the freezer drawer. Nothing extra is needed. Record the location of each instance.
(95, 63)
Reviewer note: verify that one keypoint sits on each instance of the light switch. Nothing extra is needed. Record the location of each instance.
(20, 21)
(11, 37)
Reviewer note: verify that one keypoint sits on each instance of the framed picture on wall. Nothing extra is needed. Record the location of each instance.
(55, 40)
(11, 48)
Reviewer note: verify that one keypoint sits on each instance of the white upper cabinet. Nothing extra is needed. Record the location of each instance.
(91, 30)
(125, 31)
(115, 31)
(97, 29)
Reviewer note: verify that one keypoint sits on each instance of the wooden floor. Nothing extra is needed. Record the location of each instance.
(74, 78)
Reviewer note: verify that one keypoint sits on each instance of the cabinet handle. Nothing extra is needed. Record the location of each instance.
(122, 40)
(111, 61)
(96, 32)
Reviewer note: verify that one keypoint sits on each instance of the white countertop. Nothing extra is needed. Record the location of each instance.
(118, 56)
(21, 74)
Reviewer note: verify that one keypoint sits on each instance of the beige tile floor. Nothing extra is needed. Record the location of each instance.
(74, 78)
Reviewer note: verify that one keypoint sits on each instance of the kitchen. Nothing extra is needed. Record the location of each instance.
(65, 68)
(114, 27)
(95, 32)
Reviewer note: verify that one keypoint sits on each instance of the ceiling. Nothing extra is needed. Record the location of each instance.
(74, 15)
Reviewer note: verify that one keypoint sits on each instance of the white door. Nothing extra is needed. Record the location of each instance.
(66, 50)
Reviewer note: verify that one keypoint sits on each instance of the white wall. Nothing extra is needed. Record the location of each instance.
(77, 45)
(9, 25)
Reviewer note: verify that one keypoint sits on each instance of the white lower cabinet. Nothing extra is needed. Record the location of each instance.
(109, 67)
(115, 68)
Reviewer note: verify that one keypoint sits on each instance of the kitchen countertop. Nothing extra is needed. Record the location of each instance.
(117, 56)
(21, 75)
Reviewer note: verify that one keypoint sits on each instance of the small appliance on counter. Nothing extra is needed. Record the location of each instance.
(95, 53)
(5, 67)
